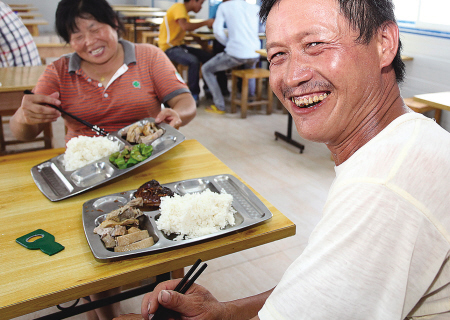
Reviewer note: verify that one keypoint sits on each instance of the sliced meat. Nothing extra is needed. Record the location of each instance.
(101, 231)
(132, 237)
(128, 211)
(111, 223)
(151, 193)
(109, 241)
(130, 133)
(145, 243)
(147, 139)
(119, 231)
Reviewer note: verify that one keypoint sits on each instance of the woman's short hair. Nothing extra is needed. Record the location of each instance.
(69, 10)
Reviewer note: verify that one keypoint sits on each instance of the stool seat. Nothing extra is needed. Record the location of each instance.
(421, 107)
(245, 74)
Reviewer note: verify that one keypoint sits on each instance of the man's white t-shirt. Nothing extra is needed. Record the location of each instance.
(381, 249)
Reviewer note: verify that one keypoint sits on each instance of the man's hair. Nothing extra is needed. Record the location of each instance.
(68, 10)
(366, 16)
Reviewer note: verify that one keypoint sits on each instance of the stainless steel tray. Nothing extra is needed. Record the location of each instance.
(56, 183)
(249, 211)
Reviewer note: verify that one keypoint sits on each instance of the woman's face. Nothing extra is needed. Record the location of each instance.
(93, 41)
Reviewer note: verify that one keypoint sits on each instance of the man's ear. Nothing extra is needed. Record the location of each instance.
(388, 41)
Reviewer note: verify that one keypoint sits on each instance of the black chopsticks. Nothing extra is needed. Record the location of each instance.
(93, 127)
(182, 287)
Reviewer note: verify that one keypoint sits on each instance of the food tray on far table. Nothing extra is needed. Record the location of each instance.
(249, 211)
(56, 183)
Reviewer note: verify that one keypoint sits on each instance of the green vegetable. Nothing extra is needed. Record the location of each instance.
(127, 158)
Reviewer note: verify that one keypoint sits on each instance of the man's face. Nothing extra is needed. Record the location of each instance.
(198, 5)
(326, 80)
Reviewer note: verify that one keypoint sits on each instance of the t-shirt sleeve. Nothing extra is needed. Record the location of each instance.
(48, 82)
(180, 13)
(358, 260)
(168, 83)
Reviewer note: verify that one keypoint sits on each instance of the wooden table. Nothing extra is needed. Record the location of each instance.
(28, 15)
(440, 100)
(31, 280)
(14, 80)
(125, 8)
(53, 50)
(32, 25)
(135, 15)
(139, 14)
(22, 8)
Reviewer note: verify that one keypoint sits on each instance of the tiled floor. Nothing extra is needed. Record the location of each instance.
(296, 184)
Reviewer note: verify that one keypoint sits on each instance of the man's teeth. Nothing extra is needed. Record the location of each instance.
(305, 102)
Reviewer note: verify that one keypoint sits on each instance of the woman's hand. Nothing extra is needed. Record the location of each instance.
(35, 110)
(184, 106)
(196, 304)
(170, 117)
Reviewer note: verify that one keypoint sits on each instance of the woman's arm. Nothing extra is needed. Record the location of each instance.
(182, 110)
(28, 121)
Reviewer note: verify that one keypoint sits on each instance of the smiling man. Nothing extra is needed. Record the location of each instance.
(382, 247)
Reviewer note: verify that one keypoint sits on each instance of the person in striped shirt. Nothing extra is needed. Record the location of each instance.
(107, 81)
(17, 46)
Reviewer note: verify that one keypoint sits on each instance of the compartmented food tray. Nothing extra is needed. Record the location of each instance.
(56, 183)
(249, 211)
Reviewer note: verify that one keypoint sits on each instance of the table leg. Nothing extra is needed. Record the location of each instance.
(288, 137)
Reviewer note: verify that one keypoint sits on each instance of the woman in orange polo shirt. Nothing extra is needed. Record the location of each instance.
(108, 82)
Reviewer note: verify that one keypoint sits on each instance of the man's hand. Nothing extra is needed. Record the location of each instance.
(197, 304)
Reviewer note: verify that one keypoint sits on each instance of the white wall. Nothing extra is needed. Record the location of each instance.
(430, 69)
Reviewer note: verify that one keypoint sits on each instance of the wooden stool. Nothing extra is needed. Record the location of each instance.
(422, 108)
(246, 74)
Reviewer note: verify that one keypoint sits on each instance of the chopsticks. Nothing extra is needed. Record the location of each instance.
(182, 287)
(93, 127)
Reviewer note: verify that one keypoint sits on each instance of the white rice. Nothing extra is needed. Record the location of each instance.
(83, 150)
(197, 214)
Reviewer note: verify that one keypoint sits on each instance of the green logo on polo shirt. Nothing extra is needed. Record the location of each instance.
(136, 84)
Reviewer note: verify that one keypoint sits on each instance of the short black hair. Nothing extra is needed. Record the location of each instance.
(366, 16)
(68, 10)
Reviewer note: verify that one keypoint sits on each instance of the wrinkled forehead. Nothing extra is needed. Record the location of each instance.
(303, 17)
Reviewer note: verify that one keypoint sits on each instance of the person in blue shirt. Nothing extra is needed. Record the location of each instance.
(241, 40)
(217, 48)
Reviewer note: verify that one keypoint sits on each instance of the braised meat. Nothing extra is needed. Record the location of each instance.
(151, 193)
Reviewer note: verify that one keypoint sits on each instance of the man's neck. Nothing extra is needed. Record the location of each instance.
(389, 107)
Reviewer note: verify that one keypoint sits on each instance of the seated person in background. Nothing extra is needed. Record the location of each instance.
(171, 40)
(217, 48)
(16, 43)
(240, 44)
(381, 250)
(108, 82)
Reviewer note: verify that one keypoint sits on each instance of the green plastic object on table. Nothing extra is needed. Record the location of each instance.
(44, 241)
